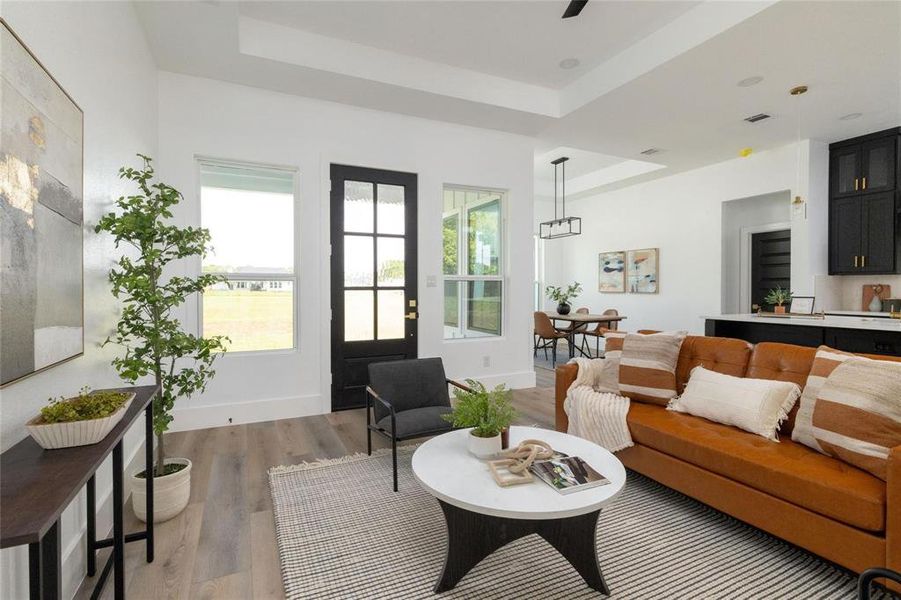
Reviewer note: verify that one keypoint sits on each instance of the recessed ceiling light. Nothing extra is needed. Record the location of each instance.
(749, 81)
(850, 116)
(569, 63)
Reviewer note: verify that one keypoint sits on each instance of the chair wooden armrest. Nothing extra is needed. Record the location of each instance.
(370, 393)
(457, 384)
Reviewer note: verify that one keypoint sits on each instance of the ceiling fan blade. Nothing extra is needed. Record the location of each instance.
(574, 8)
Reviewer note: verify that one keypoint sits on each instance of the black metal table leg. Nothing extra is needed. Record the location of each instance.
(45, 566)
(473, 536)
(148, 465)
(118, 526)
(91, 533)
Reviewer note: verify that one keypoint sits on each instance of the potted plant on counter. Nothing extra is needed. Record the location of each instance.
(154, 341)
(488, 413)
(777, 297)
(79, 420)
(562, 296)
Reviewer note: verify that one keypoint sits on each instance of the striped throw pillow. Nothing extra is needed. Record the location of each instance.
(857, 416)
(824, 362)
(647, 366)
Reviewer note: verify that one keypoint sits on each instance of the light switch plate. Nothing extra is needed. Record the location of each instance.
(431, 281)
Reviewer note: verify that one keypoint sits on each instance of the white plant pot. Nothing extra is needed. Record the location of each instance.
(484, 448)
(50, 436)
(171, 493)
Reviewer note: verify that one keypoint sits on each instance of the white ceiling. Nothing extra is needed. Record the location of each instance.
(522, 41)
(652, 74)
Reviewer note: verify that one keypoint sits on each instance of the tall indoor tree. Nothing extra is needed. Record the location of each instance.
(155, 342)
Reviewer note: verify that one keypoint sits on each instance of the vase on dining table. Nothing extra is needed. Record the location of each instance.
(563, 308)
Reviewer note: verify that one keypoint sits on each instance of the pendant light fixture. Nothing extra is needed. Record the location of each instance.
(799, 207)
(564, 226)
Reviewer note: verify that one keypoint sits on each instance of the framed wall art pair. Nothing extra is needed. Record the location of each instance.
(634, 271)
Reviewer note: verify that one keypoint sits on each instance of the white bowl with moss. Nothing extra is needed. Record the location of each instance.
(80, 420)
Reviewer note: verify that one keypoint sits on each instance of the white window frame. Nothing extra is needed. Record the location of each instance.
(199, 162)
(463, 262)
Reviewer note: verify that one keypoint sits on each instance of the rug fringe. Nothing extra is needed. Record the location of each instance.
(328, 462)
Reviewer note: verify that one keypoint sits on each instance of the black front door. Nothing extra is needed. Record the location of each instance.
(373, 266)
(771, 263)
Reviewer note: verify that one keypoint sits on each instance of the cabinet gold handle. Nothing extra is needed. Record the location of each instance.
(863, 261)
(864, 183)
(855, 261)
(856, 184)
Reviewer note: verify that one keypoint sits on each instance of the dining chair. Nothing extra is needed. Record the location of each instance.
(598, 332)
(546, 336)
(581, 329)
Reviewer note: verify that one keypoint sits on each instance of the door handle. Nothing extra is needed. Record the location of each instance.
(863, 261)
(864, 183)
(412, 315)
(855, 261)
(856, 184)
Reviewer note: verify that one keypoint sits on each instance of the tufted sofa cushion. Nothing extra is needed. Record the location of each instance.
(787, 470)
(723, 355)
(782, 362)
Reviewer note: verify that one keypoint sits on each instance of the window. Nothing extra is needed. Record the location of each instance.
(249, 211)
(472, 231)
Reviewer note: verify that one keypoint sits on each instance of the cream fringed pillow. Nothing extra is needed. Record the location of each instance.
(824, 362)
(647, 366)
(857, 415)
(755, 405)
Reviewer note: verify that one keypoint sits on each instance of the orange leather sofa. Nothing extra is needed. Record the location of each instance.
(819, 503)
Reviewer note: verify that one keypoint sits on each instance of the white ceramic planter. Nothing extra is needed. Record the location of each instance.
(484, 448)
(74, 433)
(171, 493)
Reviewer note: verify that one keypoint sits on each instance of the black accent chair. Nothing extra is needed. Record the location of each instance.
(406, 399)
(869, 576)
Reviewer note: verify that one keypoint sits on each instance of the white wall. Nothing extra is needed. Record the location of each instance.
(682, 216)
(211, 118)
(757, 211)
(98, 54)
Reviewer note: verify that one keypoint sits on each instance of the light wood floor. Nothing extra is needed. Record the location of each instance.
(223, 545)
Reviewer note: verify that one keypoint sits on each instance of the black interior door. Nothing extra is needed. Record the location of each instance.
(373, 275)
(878, 235)
(770, 263)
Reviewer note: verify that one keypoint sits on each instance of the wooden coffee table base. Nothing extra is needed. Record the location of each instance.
(472, 536)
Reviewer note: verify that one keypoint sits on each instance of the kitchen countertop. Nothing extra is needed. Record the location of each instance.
(858, 313)
(841, 322)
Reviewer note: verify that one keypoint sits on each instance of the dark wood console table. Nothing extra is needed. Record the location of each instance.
(36, 485)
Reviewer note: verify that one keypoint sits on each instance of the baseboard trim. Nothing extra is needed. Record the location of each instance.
(236, 413)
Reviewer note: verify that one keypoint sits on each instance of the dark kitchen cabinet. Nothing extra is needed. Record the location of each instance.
(877, 165)
(878, 233)
(864, 204)
(844, 171)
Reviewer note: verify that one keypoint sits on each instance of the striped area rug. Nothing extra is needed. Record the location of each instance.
(342, 533)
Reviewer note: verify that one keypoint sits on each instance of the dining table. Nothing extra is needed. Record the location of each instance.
(576, 320)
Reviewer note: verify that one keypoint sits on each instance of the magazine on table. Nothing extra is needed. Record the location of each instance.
(568, 474)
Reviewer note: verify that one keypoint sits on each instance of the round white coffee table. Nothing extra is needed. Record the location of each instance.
(483, 516)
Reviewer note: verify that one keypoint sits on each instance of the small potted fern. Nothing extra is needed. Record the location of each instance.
(488, 413)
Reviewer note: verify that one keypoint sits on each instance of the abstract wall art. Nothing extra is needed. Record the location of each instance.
(642, 271)
(41, 203)
(612, 272)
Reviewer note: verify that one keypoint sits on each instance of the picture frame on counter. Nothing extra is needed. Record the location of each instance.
(802, 305)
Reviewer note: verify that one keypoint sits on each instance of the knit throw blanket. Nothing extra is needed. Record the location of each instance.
(594, 414)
